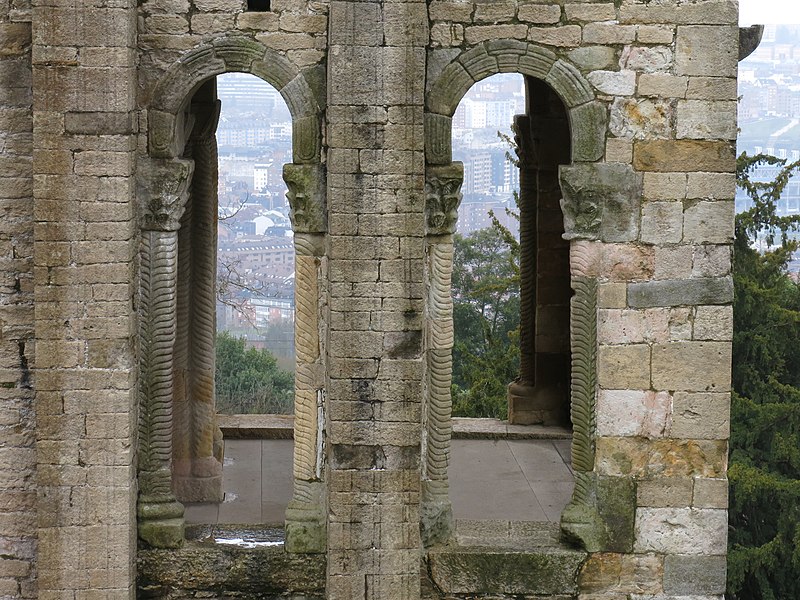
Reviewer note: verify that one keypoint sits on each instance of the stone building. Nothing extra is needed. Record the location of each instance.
(107, 182)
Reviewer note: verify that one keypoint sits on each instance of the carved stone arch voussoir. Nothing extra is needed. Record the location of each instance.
(588, 117)
(235, 53)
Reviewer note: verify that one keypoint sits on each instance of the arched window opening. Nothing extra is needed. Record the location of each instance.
(511, 295)
(234, 351)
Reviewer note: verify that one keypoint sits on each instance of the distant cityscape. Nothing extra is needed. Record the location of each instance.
(256, 256)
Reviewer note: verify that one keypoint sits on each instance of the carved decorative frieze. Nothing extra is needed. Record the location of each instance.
(442, 198)
(306, 197)
(601, 201)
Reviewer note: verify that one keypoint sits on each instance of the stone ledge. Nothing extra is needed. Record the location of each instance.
(257, 566)
(514, 535)
(268, 427)
(494, 429)
(250, 562)
(281, 427)
(469, 572)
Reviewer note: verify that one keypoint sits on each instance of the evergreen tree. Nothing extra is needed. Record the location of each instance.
(486, 322)
(764, 472)
(249, 381)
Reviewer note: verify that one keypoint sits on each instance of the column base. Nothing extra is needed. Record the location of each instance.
(435, 521)
(199, 481)
(537, 405)
(306, 528)
(160, 523)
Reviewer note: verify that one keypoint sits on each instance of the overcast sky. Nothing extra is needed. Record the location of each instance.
(769, 11)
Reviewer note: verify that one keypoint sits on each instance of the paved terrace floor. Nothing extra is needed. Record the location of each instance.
(497, 471)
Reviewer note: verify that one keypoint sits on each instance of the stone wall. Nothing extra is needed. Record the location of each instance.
(84, 82)
(94, 93)
(17, 422)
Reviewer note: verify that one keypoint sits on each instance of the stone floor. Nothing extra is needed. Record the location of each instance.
(509, 479)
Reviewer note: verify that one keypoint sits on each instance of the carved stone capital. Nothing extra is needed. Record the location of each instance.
(749, 39)
(306, 197)
(162, 190)
(601, 201)
(442, 197)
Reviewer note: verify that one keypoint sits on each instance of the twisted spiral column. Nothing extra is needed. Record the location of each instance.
(580, 515)
(305, 517)
(436, 509)
(162, 192)
(199, 478)
(181, 431)
(160, 515)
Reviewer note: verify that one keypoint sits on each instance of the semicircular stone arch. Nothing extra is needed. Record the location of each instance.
(587, 116)
(233, 54)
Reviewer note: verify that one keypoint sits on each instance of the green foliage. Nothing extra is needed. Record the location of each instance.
(249, 381)
(764, 560)
(486, 321)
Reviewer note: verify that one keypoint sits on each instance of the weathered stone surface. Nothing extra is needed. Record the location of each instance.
(306, 196)
(663, 85)
(533, 12)
(641, 118)
(600, 516)
(706, 120)
(624, 367)
(637, 457)
(481, 33)
(549, 571)
(663, 492)
(711, 261)
(566, 80)
(608, 33)
(650, 59)
(203, 566)
(612, 295)
(662, 222)
(683, 155)
(698, 415)
(709, 222)
(710, 493)
(567, 36)
(614, 262)
(619, 150)
(613, 573)
(590, 12)
(681, 292)
(713, 323)
(704, 50)
(685, 575)
(711, 186)
(634, 326)
(588, 123)
(713, 11)
(593, 58)
(614, 83)
(692, 366)
(681, 531)
(655, 34)
(633, 413)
